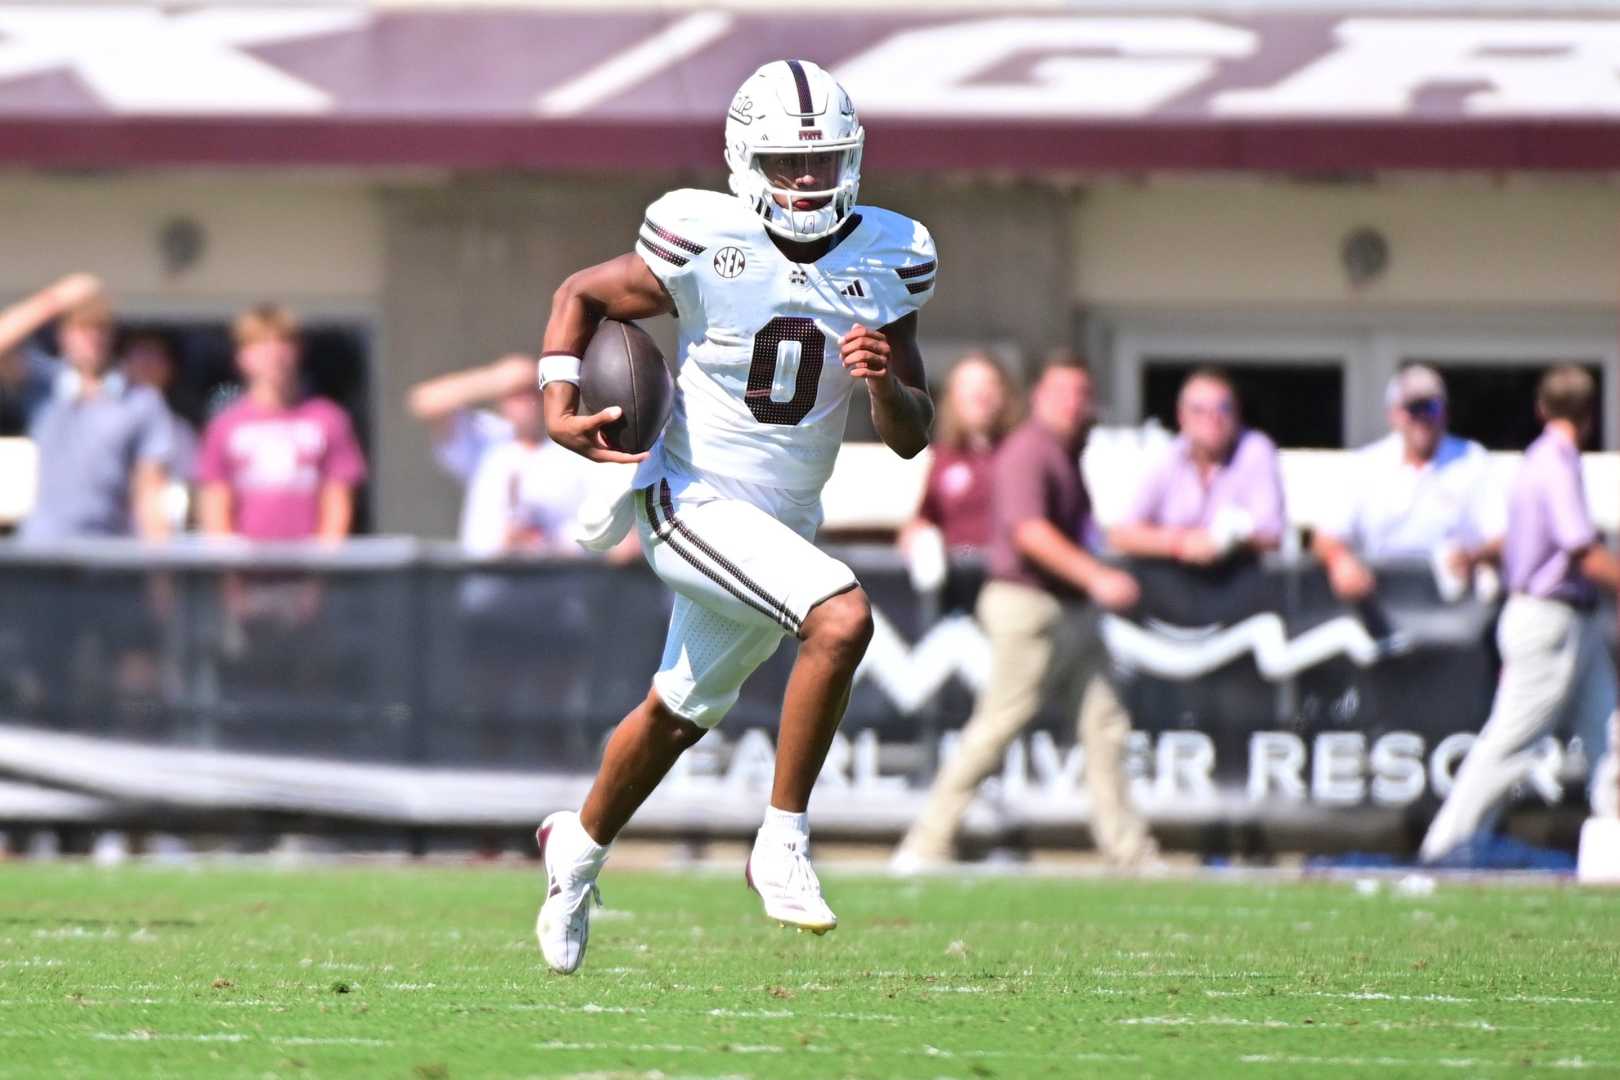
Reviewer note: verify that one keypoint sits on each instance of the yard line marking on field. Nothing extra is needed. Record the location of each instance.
(634, 65)
(142, 1035)
(1427, 999)
(150, 1036)
(661, 1048)
(1412, 1063)
(1202, 1021)
(1377, 1025)
(752, 1014)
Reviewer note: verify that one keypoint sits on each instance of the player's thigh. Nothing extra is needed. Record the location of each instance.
(736, 560)
(707, 658)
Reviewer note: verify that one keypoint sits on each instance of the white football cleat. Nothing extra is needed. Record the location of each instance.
(564, 924)
(779, 871)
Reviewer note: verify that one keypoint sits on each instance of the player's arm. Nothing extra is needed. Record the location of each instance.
(622, 288)
(890, 362)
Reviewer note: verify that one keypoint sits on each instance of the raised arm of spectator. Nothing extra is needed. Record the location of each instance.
(19, 321)
(436, 401)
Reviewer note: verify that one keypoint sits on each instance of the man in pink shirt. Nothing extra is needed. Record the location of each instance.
(276, 465)
(1217, 493)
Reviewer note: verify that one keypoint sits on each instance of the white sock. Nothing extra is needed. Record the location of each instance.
(589, 850)
(780, 821)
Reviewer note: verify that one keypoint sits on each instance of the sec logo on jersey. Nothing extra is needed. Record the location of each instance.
(729, 262)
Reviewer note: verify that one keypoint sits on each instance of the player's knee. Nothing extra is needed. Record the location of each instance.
(842, 623)
(668, 727)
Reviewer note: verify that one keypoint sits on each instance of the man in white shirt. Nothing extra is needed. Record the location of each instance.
(524, 493)
(1418, 493)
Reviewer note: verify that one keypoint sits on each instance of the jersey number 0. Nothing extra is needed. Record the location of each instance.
(785, 374)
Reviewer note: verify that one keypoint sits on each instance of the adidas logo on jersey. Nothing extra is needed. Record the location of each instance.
(855, 288)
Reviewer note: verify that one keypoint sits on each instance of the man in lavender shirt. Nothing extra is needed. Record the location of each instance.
(1215, 494)
(1556, 670)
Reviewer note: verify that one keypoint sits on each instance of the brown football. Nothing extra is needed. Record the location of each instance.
(622, 366)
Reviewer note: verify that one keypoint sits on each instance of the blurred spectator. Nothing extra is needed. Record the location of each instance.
(524, 492)
(277, 465)
(455, 409)
(977, 410)
(105, 444)
(1556, 668)
(1041, 610)
(1419, 492)
(149, 360)
(27, 375)
(1217, 492)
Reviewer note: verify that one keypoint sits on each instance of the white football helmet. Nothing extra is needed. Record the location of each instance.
(788, 121)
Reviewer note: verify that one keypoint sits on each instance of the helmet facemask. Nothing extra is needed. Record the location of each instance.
(776, 180)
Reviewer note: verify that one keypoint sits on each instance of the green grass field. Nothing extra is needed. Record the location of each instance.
(432, 972)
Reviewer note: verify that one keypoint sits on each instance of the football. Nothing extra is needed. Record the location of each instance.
(623, 366)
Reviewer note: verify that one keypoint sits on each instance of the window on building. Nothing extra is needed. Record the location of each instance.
(1494, 402)
(1299, 403)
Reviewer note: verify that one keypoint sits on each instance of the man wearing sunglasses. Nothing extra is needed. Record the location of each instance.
(1216, 494)
(1420, 492)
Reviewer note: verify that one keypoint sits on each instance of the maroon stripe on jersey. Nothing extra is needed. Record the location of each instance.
(806, 106)
(781, 614)
(663, 252)
(670, 238)
(668, 532)
(915, 287)
(919, 270)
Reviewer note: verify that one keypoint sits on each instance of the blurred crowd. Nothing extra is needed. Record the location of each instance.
(1004, 492)
(117, 456)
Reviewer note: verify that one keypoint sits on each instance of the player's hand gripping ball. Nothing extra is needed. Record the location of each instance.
(625, 395)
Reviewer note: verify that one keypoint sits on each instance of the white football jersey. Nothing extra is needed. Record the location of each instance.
(761, 392)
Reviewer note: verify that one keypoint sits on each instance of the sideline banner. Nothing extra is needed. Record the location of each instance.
(422, 689)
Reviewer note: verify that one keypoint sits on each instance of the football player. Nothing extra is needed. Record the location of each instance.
(786, 293)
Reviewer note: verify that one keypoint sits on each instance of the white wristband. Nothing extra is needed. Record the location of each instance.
(559, 367)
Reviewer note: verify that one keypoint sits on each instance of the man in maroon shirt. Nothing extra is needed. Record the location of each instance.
(1040, 609)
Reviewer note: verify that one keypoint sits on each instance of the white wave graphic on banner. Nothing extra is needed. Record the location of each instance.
(1276, 655)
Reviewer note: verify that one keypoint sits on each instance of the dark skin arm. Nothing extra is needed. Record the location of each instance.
(622, 288)
(890, 362)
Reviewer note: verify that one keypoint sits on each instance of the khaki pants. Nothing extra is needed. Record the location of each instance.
(1040, 648)
(1556, 673)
